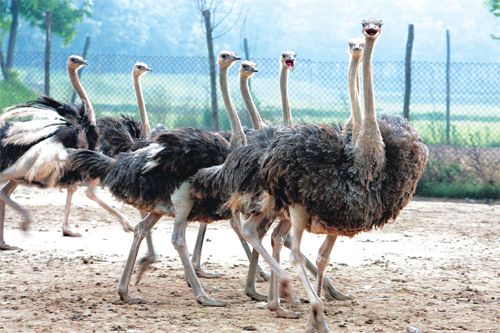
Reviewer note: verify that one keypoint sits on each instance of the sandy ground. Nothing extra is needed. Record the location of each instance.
(436, 269)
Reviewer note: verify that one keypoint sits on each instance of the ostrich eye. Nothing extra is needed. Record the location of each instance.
(224, 56)
(283, 55)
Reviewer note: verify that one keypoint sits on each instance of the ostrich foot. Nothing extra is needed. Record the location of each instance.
(282, 313)
(255, 296)
(332, 293)
(317, 321)
(200, 272)
(204, 300)
(67, 232)
(6, 247)
(144, 264)
(125, 298)
(262, 276)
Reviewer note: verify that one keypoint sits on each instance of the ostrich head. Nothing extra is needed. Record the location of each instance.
(141, 68)
(227, 58)
(287, 59)
(75, 62)
(248, 68)
(372, 28)
(356, 46)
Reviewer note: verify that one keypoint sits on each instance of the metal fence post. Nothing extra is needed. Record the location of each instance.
(409, 47)
(447, 86)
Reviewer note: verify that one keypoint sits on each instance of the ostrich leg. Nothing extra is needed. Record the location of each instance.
(251, 234)
(90, 192)
(277, 240)
(322, 260)
(183, 205)
(6, 200)
(196, 258)
(317, 321)
(6, 190)
(150, 258)
(141, 230)
(331, 293)
(65, 226)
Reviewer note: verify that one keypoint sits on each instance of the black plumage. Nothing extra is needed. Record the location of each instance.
(147, 177)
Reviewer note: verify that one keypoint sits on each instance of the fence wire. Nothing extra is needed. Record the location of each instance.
(177, 94)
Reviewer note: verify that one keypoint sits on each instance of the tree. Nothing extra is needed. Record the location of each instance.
(209, 11)
(494, 7)
(65, 17)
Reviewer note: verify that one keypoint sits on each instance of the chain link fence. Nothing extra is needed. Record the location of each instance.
(177, 94)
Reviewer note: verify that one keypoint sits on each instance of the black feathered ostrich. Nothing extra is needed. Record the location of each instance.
(33, 150)
(331, 186)
(154, 179)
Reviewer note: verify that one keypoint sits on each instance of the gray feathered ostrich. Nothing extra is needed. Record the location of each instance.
(334, 187)
(34, 150)
(154, 179)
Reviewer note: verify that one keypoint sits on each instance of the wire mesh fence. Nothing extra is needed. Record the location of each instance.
(177, 94)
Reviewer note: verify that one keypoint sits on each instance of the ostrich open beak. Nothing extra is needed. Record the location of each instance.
(290, 63)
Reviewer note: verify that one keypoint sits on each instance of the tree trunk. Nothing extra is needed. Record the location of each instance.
(2, 66)
(447, 87)
(84, 55)
(48, 23)
(211, 61)
(409, 47)
(14, 8)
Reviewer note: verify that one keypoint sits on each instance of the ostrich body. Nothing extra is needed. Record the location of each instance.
(33, 151)
(331, 186)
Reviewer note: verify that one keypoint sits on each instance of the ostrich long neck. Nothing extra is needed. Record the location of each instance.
(142, 107)
(354, 122)
(369, 148)
(247, 98)
(287, 114)
(73, 76)
(238, 137)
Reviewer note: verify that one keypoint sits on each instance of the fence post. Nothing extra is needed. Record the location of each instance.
(447, 86)
(48, 23)
(409, 48)
(245, 49)
(84, 55)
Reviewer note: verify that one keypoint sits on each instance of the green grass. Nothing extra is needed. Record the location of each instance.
(14, 92)
(459, 191)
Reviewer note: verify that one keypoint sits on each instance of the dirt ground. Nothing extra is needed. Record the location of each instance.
(436, 269)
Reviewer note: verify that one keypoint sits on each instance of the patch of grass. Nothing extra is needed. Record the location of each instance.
(14, 92)
(459, 190)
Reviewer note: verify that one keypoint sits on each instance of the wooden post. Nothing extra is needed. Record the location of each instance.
(409, 48)
(211, 62)
(84, 55)
(48, 19)
(447, 86)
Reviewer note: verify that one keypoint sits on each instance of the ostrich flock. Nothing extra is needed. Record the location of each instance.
(331, 180)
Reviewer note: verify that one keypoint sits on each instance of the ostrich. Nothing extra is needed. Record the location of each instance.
(155, 178)
(356, 46)
(347, 188)
(34, 152)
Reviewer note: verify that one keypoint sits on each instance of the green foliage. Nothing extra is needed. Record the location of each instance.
(460, 191)
(65, 15)
(14, 92)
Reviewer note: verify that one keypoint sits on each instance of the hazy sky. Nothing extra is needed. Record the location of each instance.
(316, 29)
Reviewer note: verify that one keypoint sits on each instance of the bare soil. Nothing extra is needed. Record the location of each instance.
(435, 269)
